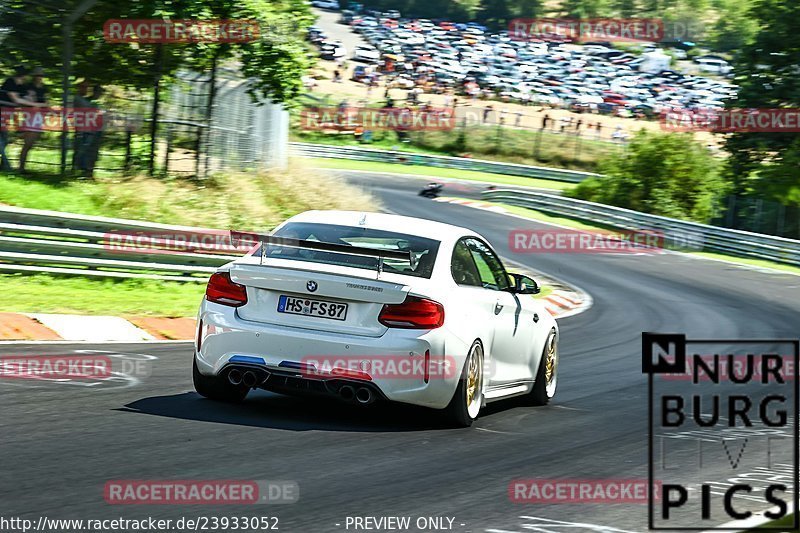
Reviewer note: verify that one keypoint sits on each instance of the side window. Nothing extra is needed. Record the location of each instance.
(491, 271)
(462, 266)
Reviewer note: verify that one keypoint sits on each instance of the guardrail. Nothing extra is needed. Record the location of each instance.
(33, 240)
(677, 233)
(357, 153)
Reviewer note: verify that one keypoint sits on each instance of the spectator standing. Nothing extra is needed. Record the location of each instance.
(94, 145)
(617, 135)
(82, 141)
(519, 119)
(13, 93)
(87, 143)
(36, 92)
(486, 111)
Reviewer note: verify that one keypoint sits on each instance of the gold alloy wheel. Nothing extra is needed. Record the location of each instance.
(550, 361)
(472, 380)
(473, 376)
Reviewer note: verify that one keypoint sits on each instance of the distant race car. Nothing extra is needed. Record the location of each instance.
(333, 300)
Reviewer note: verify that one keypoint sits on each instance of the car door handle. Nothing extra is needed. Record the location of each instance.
(497, 308)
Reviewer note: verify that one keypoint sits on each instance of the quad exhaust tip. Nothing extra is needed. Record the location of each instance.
(364, 396)
(361, 395)
(249, 379)
(235, 377)
(347, 393)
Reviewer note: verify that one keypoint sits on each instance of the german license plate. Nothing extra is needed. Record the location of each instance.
(310, 307)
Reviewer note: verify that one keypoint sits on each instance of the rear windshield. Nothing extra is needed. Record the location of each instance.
(424, 250)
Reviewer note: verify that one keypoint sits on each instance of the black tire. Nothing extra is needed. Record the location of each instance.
(456, 411)
(216, 388)
(539, 395)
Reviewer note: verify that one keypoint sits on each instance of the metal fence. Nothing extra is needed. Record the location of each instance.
(33, 240)
(235, 134)
(410, 158)
(190, 138)
(678, 233)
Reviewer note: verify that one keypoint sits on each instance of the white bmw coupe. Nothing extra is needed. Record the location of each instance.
(371, 307)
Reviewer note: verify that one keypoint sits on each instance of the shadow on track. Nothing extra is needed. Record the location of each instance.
(268, 410)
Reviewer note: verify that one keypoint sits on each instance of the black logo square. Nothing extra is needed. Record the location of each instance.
(663, 353)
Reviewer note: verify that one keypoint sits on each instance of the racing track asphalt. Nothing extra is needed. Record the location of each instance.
(61, 442)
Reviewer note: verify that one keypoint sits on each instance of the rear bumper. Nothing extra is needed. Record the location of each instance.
(224, 335)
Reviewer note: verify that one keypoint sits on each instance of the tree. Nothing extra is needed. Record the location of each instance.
(134, 65)
(529, 8)
(735, 28)
(276, 61)
(584, 8)
(769, 77)
(626, 8)
(663, 174)
(496, 13)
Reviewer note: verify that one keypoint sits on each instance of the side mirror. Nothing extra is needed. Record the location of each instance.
(524, 285)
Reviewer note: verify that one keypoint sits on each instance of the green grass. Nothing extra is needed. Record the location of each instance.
(577, 224)
(748, 261)
(470, 175)
(507, 144)
(46, 154)
(545, 290)
(231, 201)
(44, 293)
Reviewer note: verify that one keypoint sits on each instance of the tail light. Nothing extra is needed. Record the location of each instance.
(221, 290)
(414, 313)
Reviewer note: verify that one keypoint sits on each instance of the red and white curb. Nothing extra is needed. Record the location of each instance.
(22, 328)
(564, 300)
(561, 303)
(92, 328)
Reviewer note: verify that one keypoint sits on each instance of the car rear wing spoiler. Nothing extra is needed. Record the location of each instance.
(239, 237)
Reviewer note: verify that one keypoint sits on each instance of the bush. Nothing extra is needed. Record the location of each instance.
(662, 174)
